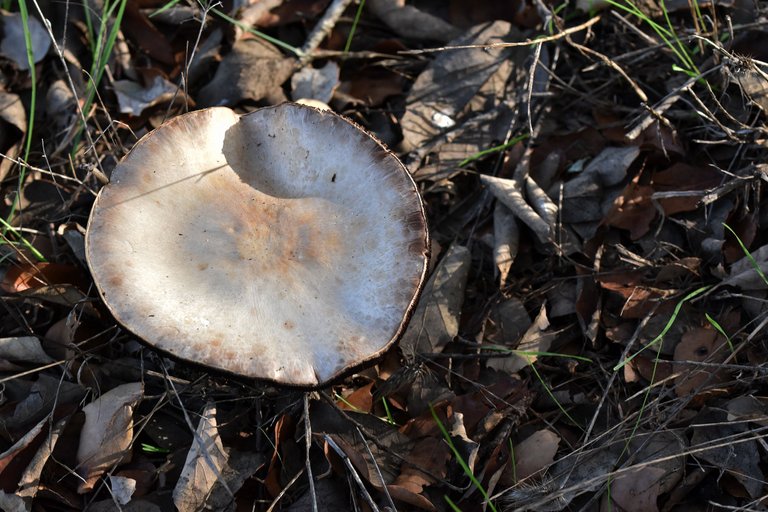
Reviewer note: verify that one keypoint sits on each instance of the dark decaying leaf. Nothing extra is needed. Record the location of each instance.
(410, 22)
(435, 322)
(729, 447)
(253, 70)
(440, 94)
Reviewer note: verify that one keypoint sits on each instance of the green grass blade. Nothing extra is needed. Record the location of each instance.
(667, 327)
(461, 461)
(297, 52)
(747, 254)
(359, 12)
(23, 241)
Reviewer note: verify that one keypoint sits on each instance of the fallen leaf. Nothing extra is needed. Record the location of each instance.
(107, 433)
(740, 459)
(12, 112)
(506, 240)
(23, 349)
(535, 453)
(315, 83)
(134, 98)
(205, 463)
(510, 193)
(635, 491)
(448, 84)
(13, 43)
(435, 322)
(410, 22)
(538, 338)
(701, 344)
(253, 70)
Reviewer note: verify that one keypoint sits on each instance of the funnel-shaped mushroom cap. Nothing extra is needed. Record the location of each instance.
(286, 244)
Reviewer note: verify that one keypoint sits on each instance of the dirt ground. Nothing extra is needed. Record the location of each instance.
(591, 328)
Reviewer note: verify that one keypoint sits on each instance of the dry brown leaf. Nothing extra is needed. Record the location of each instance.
(633, 210)
(449, 83)
(510, 193)
(253, 70)
(435, 322)
(410, 22)
(12, 112)
(743, 273)
(701, 344)
(204, 465)
(538, 338)
(506, 240)
(535, 453)
(107, 432)
(635, 491)
(682, 177)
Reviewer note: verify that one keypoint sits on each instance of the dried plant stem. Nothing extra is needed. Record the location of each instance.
(323, 28)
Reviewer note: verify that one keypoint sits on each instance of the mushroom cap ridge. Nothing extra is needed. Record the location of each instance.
(286, 244)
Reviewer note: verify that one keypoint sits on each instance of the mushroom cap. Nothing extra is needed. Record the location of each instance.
(286, 244)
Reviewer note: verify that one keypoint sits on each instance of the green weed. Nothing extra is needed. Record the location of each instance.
(464, 466)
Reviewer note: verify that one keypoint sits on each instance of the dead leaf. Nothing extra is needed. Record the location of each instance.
(448, 84)
(702, 344)
(134, 98)
(589, 197)
(12, 112)
(510, 193)
(435, 322)
(740, 459)
(635, 491)
(205, 463)
(315, 83)
(506, 240)
(410, 22)
(535, 453)
(13, 43)
(538, 338)
(107, 433)
(23, 349)
(743, 273)
(633, 210)
(253, 70)
(122, 488)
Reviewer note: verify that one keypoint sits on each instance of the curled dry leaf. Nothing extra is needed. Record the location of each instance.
(107, 432)
(410, 22)
(12, 112)
(205, 463)
(702, 344)
(510, 193)
(506, 240)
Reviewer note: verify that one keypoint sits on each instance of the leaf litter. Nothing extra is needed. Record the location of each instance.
(558, 357)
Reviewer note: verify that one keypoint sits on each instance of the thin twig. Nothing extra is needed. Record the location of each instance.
(527, 42)
(323, 28)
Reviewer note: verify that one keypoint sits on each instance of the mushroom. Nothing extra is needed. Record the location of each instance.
(286, 244)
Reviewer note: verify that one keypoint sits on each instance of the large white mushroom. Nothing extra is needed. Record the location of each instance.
(286, 244)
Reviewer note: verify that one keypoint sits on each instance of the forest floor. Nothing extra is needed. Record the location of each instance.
(592, 335)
